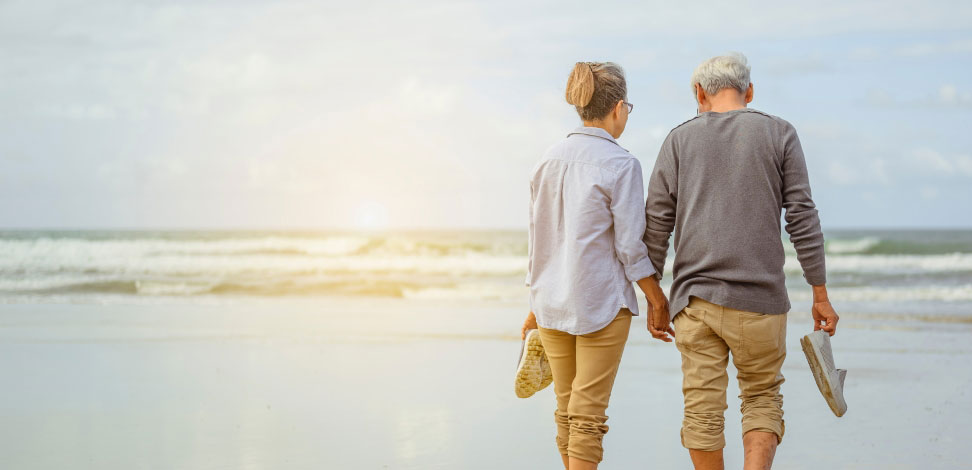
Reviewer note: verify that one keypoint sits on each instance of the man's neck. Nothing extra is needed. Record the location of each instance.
(722, 107)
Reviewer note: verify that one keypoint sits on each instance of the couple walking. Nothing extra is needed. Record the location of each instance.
(719, 183)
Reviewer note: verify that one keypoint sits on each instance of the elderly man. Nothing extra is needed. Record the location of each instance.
(720, 183)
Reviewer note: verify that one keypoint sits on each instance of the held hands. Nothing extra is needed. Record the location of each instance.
(529, 324)
(659, 322)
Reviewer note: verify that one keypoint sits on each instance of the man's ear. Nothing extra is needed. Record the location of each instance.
(699, 94)
(749, 93)
(617, 109)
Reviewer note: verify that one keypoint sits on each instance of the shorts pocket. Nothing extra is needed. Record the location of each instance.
(762, 334)
(691, 332)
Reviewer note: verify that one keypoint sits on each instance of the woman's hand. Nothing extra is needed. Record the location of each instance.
(529, 324)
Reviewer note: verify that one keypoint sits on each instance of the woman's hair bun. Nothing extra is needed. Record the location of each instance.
(580, 85)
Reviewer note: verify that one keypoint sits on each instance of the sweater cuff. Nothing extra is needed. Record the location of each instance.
(816, 275)
(639, 270)
(816, 279)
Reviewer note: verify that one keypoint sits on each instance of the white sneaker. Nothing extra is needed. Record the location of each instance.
(532, 370)
(830, 380)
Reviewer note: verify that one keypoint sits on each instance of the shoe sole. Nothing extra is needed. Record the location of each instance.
(822, 379)
(529, 369)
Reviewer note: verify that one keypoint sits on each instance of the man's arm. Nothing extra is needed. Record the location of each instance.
(660, 206)
(659, 224)
(803, 225)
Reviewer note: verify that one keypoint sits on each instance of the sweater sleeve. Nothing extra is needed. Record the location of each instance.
(660, 205)
(802, 222)
(626, 208)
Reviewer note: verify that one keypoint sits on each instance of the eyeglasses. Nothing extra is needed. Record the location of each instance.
(630, 106)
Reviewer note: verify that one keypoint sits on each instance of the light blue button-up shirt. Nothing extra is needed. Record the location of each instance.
(587, 219)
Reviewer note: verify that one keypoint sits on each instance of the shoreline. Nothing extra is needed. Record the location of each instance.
(352, 383)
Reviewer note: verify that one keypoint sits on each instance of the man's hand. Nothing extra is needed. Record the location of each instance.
(824, 316)
(529, 324)
(659, 323)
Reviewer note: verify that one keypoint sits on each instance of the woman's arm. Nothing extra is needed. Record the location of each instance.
(627, 211)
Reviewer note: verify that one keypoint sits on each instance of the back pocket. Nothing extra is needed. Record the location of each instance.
(762, 334)
(691, 332)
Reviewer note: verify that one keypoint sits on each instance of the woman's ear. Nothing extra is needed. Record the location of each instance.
(749, 93)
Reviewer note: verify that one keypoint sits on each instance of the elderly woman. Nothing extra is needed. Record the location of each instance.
(585, 249)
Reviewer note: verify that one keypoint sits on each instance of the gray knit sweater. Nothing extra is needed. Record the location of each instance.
(720, 183)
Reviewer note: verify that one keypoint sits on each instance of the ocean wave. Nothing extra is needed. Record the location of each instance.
(175, 288)
(890, 264)
(891, 294)
(414, 288)
(877, 245)
(261, 265)
(65, 248)
(855, 246)
(329, 245)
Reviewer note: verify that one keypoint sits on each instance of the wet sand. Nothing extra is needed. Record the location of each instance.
(373, 384)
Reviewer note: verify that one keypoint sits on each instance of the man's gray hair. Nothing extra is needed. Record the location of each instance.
(724, 71)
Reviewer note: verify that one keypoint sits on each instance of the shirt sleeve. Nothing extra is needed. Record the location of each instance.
(530, 238)
(629, 224)
(802, 221)
(661, 205)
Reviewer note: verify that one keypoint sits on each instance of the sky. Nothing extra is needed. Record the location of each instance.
(430, 114)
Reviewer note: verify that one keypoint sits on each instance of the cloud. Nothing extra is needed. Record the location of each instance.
(78, 111)
(925, 49)
(931, 160)
(963, 163)
(945, 96)
(841, 174)
(950, 95)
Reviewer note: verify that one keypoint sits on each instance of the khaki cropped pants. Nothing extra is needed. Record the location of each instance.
(705, 334)
(584, 368)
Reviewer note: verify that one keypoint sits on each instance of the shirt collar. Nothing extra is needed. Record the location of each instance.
(595, 132)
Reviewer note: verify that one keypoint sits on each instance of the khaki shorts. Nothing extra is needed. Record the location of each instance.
(706, 334)
(584, 368)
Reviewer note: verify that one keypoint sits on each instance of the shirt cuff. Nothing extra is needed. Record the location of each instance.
(639, 270)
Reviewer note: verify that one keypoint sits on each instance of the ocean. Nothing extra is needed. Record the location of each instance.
(924, 275)
(244, 350)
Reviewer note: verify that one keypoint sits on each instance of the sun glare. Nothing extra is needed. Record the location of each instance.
(371, 215)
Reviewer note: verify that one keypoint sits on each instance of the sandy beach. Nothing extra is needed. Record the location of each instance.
(349, 383)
